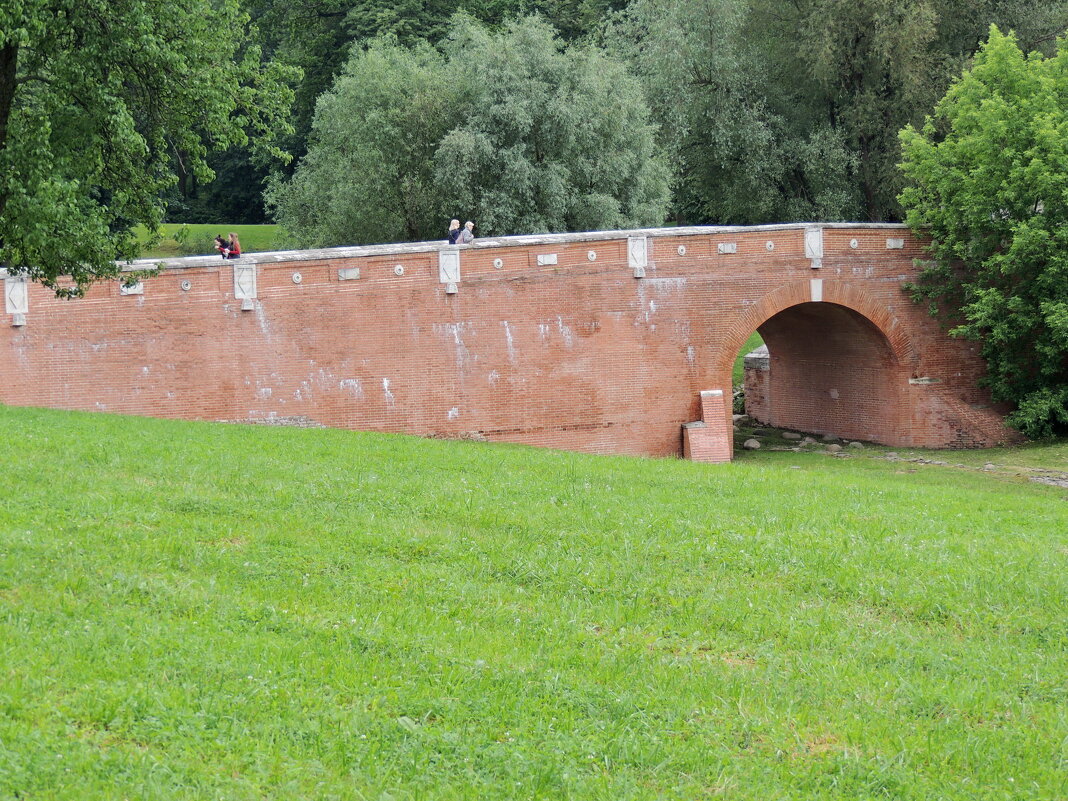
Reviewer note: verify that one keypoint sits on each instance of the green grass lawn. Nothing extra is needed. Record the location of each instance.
(754, 341)
(253, 238)
(193, 611)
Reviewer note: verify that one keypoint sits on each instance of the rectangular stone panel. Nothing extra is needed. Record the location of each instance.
(16, 294)
(449, 266)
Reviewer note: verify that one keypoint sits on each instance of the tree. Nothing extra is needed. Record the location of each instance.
(98, 98)
(777, 111)
(550, 137)
(368, 175)
(735, 157)
(318, 37)
(511, 129)
(988, 183)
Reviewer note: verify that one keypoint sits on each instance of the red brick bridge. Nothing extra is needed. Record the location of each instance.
(608, 342)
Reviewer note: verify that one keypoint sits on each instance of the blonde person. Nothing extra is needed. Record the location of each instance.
(454, 231)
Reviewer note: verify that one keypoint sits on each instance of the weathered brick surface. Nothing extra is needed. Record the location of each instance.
(578, 354)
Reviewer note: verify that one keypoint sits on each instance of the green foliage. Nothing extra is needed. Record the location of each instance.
(790, 111)
(97, 100)
(511, 129)
(318, 36)
(548, 138)
(988, 179)
(865, 70)
(239, 612)
(234, 193)
(368, 175)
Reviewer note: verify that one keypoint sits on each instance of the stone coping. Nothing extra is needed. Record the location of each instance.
(523, 240)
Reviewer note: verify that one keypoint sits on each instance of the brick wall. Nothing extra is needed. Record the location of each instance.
(548, 340)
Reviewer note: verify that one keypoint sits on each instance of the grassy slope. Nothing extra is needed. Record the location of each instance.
(253, 238)
(209, 611)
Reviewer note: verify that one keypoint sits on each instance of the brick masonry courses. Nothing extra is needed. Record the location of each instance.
(547, 340)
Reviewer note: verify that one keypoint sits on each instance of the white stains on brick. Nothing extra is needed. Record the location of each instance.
(145, 370)
(494, 377)
(665, 286)
(565, 332)
(390, 400)
(690, 355)
(454, 412)
(543, 332)
(455, 332)
(352, 386)
(261, 318)
(508, 339)
(304, 391)
(263, 393)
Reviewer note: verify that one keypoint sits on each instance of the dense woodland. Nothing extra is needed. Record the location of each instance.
(762, 110)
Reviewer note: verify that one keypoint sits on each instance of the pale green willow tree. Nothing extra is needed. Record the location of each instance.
(988, 182)
(368, 175)
(550, 138)
(513, 129)
(98, 100)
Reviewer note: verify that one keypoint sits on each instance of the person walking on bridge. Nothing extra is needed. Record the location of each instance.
(467, 236)
(454, 231)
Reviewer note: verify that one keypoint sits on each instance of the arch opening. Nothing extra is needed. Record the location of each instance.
(829, 370)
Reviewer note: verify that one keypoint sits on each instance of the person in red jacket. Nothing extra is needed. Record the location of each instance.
(234, 248)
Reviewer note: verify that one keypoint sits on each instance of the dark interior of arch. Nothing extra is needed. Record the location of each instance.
(830, 371)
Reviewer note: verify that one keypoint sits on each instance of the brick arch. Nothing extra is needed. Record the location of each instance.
(841, 293)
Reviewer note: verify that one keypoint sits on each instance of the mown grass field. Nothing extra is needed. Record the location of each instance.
(200, 611)
(254, 238)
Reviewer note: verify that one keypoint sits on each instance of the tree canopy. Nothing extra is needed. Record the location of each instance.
(368, 175)
(770, 111)
(99, 100)
(777, 112)
(513, 129)
(988, 182)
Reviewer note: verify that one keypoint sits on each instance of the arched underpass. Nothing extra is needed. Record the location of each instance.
(829, 370)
